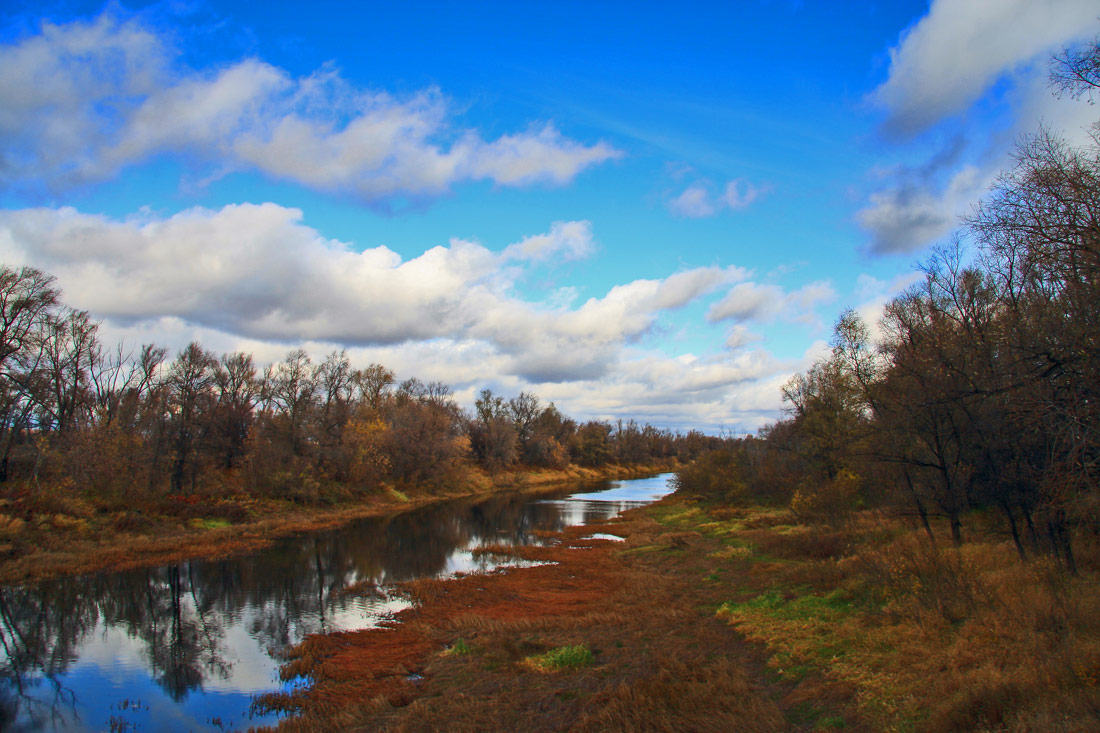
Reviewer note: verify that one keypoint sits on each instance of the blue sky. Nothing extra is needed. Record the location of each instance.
(648, 210)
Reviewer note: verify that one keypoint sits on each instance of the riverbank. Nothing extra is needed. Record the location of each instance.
(64, 534)
(727, 618)
(604, 635)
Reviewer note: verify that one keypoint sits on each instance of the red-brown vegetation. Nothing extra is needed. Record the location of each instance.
(657, 663)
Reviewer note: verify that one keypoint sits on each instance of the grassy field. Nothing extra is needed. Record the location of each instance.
(724, 618)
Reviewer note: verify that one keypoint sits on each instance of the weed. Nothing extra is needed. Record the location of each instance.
(564, 657)
(643, 549)
(209, 523)
(733, 552)
(459, 647)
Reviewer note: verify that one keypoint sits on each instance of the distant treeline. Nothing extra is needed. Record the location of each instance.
(79, 415)
(983, 392)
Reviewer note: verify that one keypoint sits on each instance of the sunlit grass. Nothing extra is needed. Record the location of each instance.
(928, 637)
(210, 523)
(565, 657)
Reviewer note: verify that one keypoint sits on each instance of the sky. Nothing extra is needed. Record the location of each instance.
(633, 210)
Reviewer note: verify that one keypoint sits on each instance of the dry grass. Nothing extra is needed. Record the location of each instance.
(654, 658)
(926, 636)
(729, 619)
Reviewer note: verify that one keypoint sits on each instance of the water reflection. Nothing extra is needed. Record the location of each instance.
(185, 646)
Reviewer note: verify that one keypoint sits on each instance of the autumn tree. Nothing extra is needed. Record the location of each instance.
(191, 379)
(492, 431)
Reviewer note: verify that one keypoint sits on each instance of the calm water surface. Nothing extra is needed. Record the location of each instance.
(187, 646)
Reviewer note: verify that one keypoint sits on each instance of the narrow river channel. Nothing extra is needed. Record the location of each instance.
(187, 646)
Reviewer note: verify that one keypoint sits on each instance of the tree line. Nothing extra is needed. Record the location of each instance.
(78, 414)
(981, 395)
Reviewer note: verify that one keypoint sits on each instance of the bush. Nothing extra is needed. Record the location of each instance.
(831, 502)
(714, 475)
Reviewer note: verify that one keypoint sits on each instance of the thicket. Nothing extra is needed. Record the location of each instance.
(981, 397)
(83, 420)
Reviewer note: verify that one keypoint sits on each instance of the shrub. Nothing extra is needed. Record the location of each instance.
(831, 502)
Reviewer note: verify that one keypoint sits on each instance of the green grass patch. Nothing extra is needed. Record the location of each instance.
(564, 657)
(643, 549)
(831, 722)
(677, 515)
(721, 528)
(808, 714)
(459, 648)
(829, 607)
(210, 523)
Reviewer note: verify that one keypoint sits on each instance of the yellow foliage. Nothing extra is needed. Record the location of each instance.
(829, 501)
(366, 437)
(10, 526)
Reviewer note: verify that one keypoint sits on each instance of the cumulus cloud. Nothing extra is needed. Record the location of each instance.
(81, 101)
(740, 337)
(566, 240)
(720, 392)
(738, 392)
(256, 278)
(257, 271)
(911, 214)
(762, 303)
(698, 200)
(949, 58)
(946, 64)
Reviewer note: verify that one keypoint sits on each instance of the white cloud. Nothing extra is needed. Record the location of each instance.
(908, 216)
(258, 272)
(739, 193)
(566, 240)
(698, 200)
(681, 288)
(955, 53)
(947, 64)
(762, 303)
(695, 202)
(800, 304)
(748, 302)
(79, 102)
(740, 337)
(732, 391)
(875, 294)
(256, 278)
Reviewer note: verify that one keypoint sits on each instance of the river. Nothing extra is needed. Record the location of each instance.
(187, 646)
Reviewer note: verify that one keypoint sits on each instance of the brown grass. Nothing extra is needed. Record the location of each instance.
(730, 618)
(925, 636)
(660, 663)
